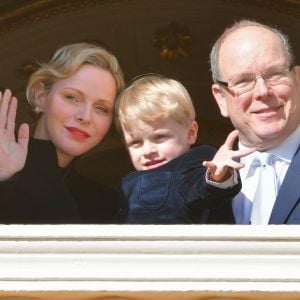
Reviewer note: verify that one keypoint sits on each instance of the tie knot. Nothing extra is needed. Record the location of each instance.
(265, 158)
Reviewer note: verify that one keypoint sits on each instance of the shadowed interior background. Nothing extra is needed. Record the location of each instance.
(171, 37)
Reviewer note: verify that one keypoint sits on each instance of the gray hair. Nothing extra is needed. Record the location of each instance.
(215, 51)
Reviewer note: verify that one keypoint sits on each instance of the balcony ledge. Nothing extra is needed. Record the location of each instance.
(149, 262)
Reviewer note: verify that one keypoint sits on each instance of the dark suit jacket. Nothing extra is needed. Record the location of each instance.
(175, 193)
(286, 209)
(44, 193)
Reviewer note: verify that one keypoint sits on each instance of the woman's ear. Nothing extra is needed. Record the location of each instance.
(40, 97)
(220, 99)
(192, 133)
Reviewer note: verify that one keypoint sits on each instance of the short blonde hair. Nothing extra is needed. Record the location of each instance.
(153, 97)
(66, 61)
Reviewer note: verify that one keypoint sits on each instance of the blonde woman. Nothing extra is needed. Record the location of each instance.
(74, 96)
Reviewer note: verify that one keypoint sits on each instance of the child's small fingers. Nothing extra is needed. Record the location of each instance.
(231, 138)
(209, 165)
(217, 172)
(236, 165)
(246, 152)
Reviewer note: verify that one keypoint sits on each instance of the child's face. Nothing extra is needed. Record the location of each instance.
(151, 145)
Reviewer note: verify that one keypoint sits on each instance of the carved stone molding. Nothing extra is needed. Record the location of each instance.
(16, 14)
(147, 262)
(173, 41)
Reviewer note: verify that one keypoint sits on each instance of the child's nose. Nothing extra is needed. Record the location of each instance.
(149, 148)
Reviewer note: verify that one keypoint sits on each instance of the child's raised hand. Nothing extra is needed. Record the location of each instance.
(219, 166)
(12, 152)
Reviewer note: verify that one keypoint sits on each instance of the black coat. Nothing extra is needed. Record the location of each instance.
(175, 193)
(44, 193)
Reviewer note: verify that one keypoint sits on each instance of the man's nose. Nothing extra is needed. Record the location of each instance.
(261, 88)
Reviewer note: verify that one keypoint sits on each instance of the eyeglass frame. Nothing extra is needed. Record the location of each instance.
(226, 84)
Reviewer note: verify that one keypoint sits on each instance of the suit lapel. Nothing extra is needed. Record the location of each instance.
(289, 192)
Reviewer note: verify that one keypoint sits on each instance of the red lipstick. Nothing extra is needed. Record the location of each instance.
(78, 133)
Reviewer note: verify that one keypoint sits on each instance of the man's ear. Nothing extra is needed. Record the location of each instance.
(192, 133)
(297, 72)
(220, 99)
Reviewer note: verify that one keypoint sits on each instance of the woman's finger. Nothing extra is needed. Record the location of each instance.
(23, 136)
(11, 115)
(4, 104)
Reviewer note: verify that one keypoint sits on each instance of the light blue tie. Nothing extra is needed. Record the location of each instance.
(266, 191)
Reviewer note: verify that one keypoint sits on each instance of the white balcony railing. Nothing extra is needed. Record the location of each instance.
(149, 262)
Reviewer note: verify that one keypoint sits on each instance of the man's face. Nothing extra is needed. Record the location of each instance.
(269, 112)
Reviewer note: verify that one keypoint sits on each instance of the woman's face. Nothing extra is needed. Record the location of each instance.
(77, 112)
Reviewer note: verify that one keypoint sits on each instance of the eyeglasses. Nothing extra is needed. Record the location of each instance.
(247, 82)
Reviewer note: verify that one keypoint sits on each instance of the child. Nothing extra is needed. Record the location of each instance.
(157, 119)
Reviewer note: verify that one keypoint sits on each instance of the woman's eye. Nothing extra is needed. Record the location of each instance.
(71, 98)
(102, 109)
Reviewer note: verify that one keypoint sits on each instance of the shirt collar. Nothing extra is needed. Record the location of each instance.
(288, 148)
(285, 151)
(246, 160)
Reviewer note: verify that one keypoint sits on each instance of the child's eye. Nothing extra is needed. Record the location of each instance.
(134, 144)
(160, 138)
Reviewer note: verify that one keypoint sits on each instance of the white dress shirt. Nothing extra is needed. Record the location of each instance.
(242, 203)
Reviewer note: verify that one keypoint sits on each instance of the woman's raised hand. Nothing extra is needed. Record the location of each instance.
(13, 151)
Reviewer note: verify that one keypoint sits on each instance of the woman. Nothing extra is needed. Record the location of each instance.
(74, 97)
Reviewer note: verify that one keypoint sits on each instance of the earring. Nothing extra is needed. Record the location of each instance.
(37, 110)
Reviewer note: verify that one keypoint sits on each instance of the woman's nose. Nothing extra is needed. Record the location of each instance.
(84, 115)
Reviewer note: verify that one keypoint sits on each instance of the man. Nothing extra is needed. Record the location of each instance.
(257, 85)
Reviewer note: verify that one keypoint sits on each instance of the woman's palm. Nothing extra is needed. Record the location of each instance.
(13, 152)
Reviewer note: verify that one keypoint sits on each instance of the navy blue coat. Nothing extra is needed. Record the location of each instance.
(175, 193)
